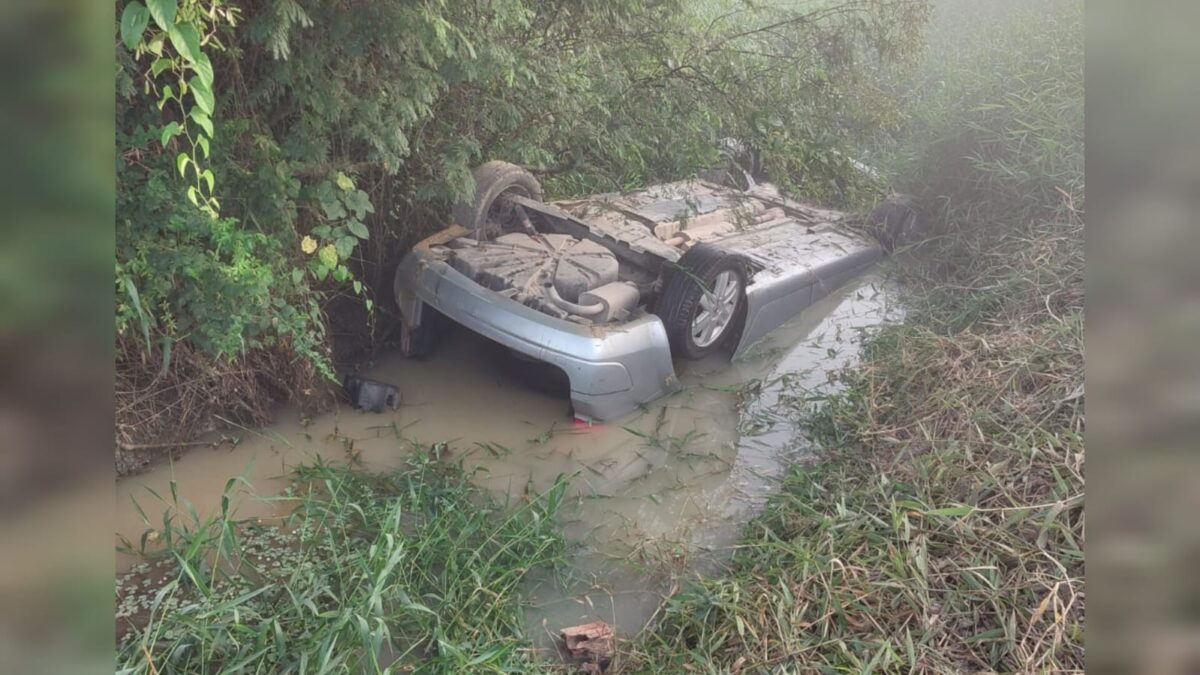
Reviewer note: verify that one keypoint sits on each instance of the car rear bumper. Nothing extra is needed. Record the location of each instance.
(613, 369)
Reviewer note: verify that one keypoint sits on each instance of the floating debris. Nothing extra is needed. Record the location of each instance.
(591, 643)
(371, 395)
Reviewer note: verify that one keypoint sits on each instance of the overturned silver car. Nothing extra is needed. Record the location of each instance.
(612, 287)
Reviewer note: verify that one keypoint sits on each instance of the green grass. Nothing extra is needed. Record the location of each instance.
(944, 529)
(413, 568)
(943, 533)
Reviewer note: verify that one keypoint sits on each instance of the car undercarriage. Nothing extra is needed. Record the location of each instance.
(612, 287)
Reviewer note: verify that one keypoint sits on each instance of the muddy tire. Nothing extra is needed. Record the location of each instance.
(703, 303)
(492, 180)
(896, 222)
(418, 342)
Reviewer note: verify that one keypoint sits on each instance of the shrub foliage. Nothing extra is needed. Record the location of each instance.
(276, 156)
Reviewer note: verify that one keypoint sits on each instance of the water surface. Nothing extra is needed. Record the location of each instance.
(656, 497)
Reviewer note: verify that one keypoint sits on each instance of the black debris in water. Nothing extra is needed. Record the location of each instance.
(371, 395)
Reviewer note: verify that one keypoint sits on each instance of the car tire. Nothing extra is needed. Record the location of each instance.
(492, 180)
(896, 222)
(699, 273)
(418, 342)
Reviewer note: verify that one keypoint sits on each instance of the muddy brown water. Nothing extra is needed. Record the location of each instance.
(656, 497)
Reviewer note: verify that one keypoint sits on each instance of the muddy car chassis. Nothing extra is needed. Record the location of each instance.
(610, 288)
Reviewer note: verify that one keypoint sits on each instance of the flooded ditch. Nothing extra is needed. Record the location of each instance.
(655, 497)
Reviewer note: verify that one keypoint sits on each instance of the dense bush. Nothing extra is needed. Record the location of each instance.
(276, 156)
(995, 113)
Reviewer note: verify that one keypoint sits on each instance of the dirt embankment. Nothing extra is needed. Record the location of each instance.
(163, 410)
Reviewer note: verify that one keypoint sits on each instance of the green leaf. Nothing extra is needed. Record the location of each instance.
(357, 286)
(358, 229)
(345, 246)
(166, 355)
(328, 256)
(201, 118)
(950, 511)
(202, 141)
(204, 69)
(333, 209)
(344, 182)
(203, 94)
(487, 655)
(297, 275)
(155, 45)
(170, 131)
(191, 195)
(133, 23)
(181, 162)
(143, 317)
(163, 12)
(359, 202)
(186, 40)
(160, 65)
(370, 304)
(209, 178)
(167, 95)
(341, 273)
